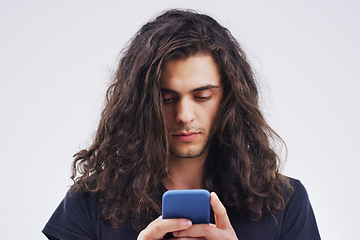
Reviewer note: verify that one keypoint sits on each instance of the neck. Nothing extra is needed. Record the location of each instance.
(185, 173)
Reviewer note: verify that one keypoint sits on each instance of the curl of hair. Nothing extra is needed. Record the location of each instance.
(127, 162)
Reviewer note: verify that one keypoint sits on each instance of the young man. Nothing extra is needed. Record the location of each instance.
(182, 113)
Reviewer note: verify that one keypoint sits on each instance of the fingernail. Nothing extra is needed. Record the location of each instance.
(213, 197)
(188, 223)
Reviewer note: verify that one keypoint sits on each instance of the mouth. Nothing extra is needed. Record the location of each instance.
(186, 136)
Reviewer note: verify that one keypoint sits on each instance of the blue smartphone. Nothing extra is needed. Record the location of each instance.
(192, 204)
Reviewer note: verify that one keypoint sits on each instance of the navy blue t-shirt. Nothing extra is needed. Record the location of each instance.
(78, 218)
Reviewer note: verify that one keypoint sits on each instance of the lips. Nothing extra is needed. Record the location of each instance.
(186, 136)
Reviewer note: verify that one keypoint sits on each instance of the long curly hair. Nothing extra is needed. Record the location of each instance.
(128, 159)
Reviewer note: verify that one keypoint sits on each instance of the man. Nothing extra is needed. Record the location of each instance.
(182, 113)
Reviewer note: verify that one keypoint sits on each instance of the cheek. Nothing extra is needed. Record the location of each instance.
(167, 115)
(214, 111)
(214, 108)
(209, 113)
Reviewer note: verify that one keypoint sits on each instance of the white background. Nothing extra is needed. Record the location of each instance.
(56, 59)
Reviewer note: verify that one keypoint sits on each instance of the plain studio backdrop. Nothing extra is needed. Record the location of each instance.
(57, 57)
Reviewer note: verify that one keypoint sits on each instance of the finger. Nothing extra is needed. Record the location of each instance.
(200, 231)
(159, 227)
(221, 218)
(187, 238)
(192, 238)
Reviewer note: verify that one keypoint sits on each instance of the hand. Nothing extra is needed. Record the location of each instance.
(159, 227)
(221, 230)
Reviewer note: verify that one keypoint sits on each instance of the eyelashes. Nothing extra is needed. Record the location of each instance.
(169, 100)
(203, 99)
(200, 95)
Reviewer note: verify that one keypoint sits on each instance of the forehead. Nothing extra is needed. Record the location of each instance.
(190, 73)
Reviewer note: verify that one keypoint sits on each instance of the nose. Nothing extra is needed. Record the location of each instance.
(184, 111)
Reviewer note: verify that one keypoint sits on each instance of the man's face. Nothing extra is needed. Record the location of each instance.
(191, 93)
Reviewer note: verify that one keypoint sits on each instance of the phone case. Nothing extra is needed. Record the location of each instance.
(192, 204)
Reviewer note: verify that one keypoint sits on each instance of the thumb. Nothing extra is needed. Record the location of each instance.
(221, 218)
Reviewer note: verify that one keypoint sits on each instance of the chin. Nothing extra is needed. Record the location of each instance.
(193, 153)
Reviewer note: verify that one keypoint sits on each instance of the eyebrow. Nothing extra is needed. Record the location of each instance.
(207, 87)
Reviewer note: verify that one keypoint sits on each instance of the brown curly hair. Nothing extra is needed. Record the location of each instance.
(128, 160)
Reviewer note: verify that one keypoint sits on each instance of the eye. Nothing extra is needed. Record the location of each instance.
(203, 98)
(168, 98)
(203, 95)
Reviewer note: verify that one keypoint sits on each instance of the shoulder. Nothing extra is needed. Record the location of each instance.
(74, 218)
(299, 193)
(298, 217)
(298, 202)
(299, 199)
(79, 201)
(78, 218)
